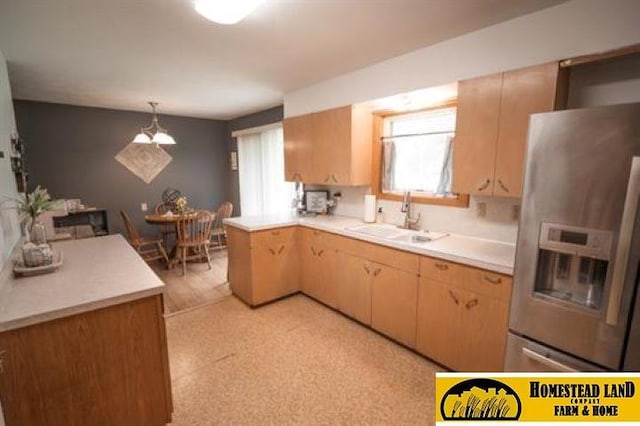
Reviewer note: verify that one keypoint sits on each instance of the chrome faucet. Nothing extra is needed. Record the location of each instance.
(409, 222)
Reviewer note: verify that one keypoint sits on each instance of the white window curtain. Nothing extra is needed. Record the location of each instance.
(263, 190)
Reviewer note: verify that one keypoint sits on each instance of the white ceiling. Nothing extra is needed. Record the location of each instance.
(122, 53)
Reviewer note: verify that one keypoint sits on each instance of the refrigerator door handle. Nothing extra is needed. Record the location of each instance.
(551, 363)
(624, 244)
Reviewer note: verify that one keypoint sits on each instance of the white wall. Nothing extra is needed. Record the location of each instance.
(9, 227)
(571, 29)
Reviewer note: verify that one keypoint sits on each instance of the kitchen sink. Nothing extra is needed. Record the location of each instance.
(393, 233)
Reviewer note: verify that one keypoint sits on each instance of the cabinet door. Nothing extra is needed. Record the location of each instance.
(438, 321)
(483, 333)
(332, 146)
(524, 92)
(239, 249)
(275, 267)
(474, 147)
(318, 278)
(298, 148)
(353, 276)
(394, 295)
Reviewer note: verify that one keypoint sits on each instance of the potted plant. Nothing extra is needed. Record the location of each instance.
(35, 250)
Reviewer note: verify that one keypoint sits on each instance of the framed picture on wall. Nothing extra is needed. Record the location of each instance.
(316, 200)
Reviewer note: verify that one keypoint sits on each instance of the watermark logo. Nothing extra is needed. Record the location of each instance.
(480, 399)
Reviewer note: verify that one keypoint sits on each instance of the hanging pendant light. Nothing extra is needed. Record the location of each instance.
(154, 133)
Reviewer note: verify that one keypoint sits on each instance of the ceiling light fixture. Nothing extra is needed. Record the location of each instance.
(154, 133)
(226, 12)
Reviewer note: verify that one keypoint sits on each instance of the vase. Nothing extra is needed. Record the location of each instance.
(37, 232)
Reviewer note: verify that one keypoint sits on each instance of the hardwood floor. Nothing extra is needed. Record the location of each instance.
(199, 286)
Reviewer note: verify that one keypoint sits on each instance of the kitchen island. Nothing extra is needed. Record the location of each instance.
(447, 298)
(86, 344)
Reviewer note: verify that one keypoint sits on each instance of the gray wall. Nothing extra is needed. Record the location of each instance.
(70, 150)
(261, 118)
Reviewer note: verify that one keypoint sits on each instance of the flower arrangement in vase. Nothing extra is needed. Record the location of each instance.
(181, 204)
(35, 250)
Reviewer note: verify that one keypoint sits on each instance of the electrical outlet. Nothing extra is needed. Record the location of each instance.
(481, 209)
(143, 207)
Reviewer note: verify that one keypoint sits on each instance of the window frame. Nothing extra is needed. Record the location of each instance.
(458, 200)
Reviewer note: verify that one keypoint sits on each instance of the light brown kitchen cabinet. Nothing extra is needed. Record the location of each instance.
(331, 147)
(394, 295)
(492, 126)
(353, 276)
(103, 367)
(298, 149)
(263, 265)
(462, 316)
(318, 264)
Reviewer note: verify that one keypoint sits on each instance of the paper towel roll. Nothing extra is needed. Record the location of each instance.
(369, 208)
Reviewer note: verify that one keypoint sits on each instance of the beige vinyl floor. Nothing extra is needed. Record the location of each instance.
(294, 361)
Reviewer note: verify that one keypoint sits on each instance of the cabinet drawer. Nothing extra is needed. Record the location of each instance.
(441, 270)
(488, 283)
(312, 236)
(273, 236)
(402, 260)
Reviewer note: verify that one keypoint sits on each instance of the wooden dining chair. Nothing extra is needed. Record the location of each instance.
(218, 234)
(149, 249)
(193, 233)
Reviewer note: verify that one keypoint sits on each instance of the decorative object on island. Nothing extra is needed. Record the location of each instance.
(154, 133)
(35, 250)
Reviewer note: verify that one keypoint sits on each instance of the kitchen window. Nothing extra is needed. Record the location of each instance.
(416, 155)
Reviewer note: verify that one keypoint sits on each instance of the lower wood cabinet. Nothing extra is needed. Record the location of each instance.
(454, 314)
(103, 367)
(318, 266)
(463, 324)
(353, 277)
(394, 296)
(263, 265)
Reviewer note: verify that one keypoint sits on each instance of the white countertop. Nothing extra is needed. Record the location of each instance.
(492, 255)
(96, 273)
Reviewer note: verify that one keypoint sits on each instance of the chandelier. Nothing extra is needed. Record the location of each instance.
(154, 133)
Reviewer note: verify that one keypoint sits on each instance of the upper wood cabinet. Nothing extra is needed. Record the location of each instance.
(330, 147)
(492, 126)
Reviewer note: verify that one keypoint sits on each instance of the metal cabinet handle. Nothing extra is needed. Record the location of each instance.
(471, 303)
(335, 179)
(453, 296)
(281, 248)
(484, 185)
(320, 252)
(326, 180)
(624, 243)
(551, 363)
(366, 269)
(442, 266)
(272, 251)
(503, 186)
(376, 272)
(313, 251)
(488, 279)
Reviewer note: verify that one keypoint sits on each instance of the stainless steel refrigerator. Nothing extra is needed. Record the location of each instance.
(574, 304)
